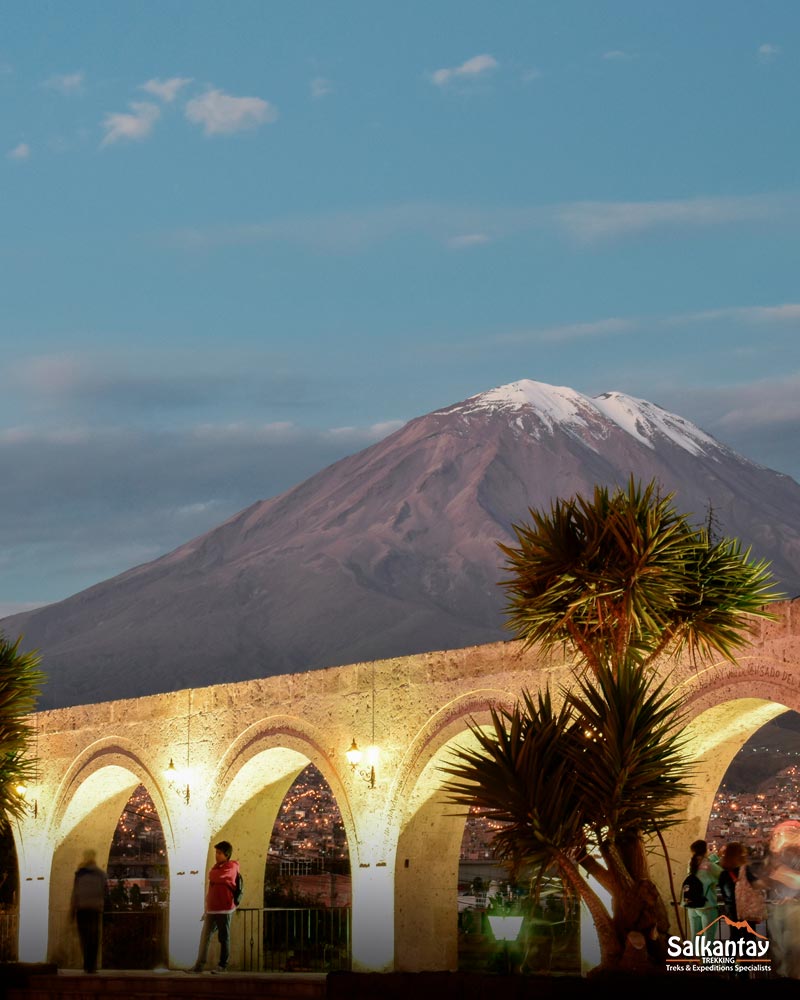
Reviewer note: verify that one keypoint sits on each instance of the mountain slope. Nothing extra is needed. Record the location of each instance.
(393, 550)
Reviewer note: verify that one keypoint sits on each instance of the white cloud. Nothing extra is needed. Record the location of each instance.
(788, 312)
(459, 226)
(467, 240)
(166, 90)
(590, 222)
(320, 87)
(134, 125)
(372, 433)
(765, 403)
(472, 68)
(20, 152)
(767, 52)
(612, 326)
(69, 84)
(615, 325)
(222, 114)
(617, 55)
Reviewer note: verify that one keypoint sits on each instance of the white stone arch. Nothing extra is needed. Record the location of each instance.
(429, 834)
(87, 806)
(249, 786)
(725, 705)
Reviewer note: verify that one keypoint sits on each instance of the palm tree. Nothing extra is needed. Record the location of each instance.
(620, 580)
(20, 680)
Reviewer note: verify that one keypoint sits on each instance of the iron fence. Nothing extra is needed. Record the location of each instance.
(9, 933)
(293, 940)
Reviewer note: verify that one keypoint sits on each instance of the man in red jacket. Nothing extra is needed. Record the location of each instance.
(219, 906)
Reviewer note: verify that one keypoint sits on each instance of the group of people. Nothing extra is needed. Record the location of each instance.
(89, 896)
(770, 885)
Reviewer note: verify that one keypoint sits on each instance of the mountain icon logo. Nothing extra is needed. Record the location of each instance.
(737, 924)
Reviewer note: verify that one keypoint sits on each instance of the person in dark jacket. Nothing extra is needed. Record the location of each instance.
(733, 858)
(86, 906)
(219, 906)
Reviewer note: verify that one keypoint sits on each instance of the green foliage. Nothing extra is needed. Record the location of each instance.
(577, 781)
(619, 579)
(20, 681)
(622, 576)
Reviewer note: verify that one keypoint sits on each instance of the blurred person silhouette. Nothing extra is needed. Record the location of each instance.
(742, 891)
(782, 877)
(86, 907)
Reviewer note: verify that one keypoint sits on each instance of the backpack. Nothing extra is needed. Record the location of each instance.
(238, 891)
(751, 903)
(692, 893)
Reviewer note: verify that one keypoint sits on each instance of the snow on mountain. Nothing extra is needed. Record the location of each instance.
(392, 550)
(561, 406)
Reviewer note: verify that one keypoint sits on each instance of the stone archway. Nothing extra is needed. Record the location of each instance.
(422, 703)
(254, 776)
(429, 838)
(92, 797)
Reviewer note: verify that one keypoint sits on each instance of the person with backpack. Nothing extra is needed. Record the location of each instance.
(699, 892)
(742, 894)
(224, 882)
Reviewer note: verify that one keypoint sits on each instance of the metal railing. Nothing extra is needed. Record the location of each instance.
(9, 933)
(292, 940)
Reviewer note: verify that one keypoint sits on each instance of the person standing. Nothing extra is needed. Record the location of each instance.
(733, 859)
(86, 907)
(782, 876)
(700, 918)
(219, 907)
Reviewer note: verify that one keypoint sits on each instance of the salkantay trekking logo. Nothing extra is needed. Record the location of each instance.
(748, 953)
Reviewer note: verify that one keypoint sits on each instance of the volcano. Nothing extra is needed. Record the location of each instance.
(393, 550)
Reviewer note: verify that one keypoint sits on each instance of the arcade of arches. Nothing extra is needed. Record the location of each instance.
(240, 746)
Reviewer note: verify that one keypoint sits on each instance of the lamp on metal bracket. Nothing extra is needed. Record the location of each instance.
(178, 780)
(32, 807)
(354, 754)
(175, 780)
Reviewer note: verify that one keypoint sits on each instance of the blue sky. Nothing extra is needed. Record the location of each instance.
(241, 240)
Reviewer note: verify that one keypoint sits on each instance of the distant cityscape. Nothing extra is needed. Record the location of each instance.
(309, 838)
(750, 816)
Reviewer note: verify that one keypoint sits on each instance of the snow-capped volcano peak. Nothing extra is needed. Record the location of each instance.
(642, 420)
(567, 409)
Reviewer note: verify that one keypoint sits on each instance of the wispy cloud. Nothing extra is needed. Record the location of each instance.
(166, 90)
(768, 52)
(339, 231)
(618, 55)
(764, 403)
(467, 240)
(68, 84)
(221, 114)
(473, 68)
(584, 224)
(785, 313)
(134, 125)
(590, 222)
(320, 87)
(20, 152)
(601, 328)
(84, 504)
(788, 312)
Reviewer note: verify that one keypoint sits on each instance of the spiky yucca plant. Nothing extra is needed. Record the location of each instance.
(20, 681)
(620, 579)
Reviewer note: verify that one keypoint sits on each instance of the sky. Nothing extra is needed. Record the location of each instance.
(241, 240)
